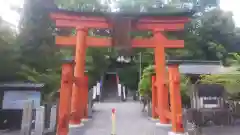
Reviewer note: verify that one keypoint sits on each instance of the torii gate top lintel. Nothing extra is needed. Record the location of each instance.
(104, 20)
(121, 24)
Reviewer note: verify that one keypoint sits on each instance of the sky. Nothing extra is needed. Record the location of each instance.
(7, 14)
(12, 17)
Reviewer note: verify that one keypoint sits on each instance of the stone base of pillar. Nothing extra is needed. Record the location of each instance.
(76, 129)
(163, 125)
(85, 120)
(163, 128)
(173, 133)
(153, 119)
(76, 126)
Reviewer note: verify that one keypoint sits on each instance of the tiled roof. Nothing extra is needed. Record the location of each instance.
(201, 67)
(204, 69)
(21, 86)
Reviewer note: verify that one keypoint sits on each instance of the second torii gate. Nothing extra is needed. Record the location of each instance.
(82, 21)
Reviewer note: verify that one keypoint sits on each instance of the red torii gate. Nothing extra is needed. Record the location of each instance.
(70, 88)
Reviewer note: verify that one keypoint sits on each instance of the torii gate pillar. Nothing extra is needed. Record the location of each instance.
(175, 98)
(160, 68)
(65, 98)
(78, 90)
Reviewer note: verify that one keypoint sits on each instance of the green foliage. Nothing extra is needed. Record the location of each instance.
(129, 76)
(144, 85)
(230, 80)
(97, 63)
(36, 38)
(132, 5)
(80, 5)
(184, 87)
(51, 79)
(208, 37)
(9, 52)
(40, 58)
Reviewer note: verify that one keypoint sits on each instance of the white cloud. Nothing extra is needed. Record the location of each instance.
(233, 6)
(7, 13)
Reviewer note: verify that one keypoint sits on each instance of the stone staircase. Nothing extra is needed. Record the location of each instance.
(110, 95)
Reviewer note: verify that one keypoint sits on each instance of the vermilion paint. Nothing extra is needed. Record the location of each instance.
(77, 104)
(65, 99)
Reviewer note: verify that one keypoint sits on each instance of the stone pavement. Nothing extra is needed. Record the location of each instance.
(9, 132)
(222, 130)
(129, 121)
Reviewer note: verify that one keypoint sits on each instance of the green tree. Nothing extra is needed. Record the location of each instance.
(145, 82)
(97, 63)
(40, 57)
(36, 37)
(9, 52)
(229, 80)
(209, 36)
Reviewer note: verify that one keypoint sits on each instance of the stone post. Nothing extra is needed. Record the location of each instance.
(53, 118)
(27, 118)
(39, 121)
